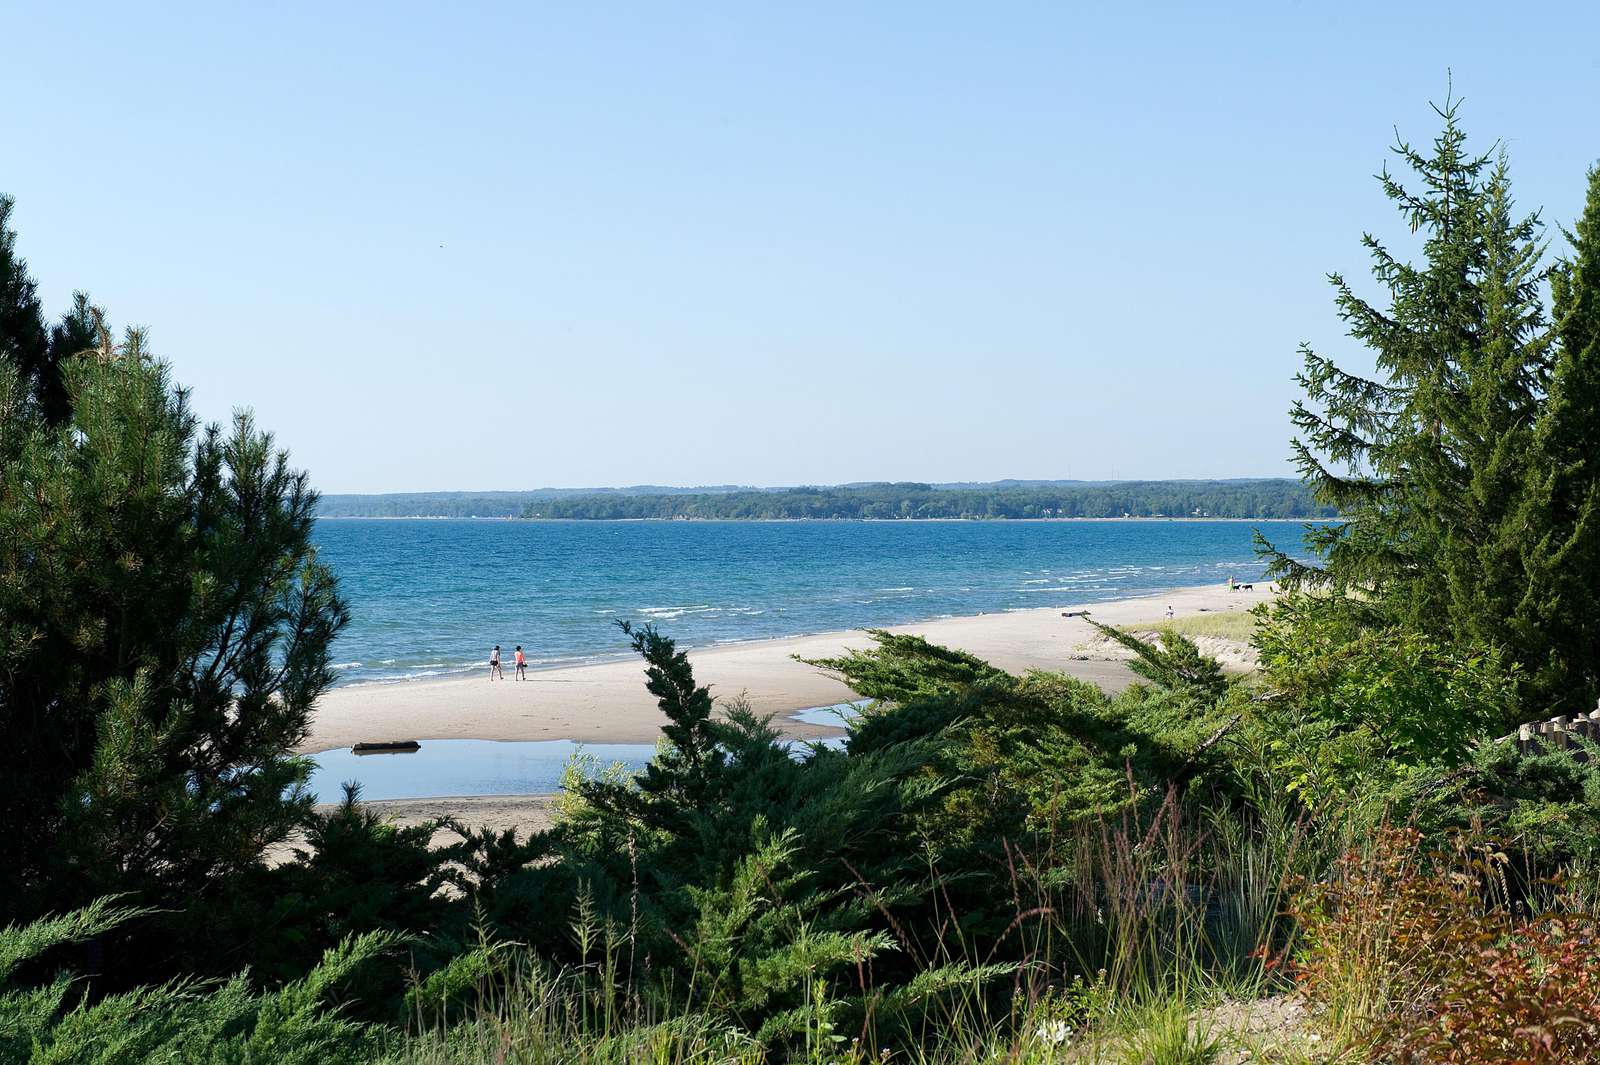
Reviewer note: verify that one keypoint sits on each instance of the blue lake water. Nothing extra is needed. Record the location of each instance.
(430, 597)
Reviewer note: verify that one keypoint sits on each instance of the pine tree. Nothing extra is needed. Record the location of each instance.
(78, 332)
(37, 353)
(1430, 458)
(164, 632)
(23, 340)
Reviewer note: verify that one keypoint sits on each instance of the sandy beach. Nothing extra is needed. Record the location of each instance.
(607, 703)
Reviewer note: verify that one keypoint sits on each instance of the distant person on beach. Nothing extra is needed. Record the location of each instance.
(1230, 584)
(1169, 612)
(522, 664)
(494, 664)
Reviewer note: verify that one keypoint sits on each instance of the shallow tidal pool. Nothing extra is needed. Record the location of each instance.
(448, 768)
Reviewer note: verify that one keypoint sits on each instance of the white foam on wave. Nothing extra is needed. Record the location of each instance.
(668, 613)
(564, 661)
(434, 669)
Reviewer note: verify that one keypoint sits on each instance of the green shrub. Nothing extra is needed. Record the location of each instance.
(183, 1020)
(352, 874)
(1356, 706)
(1543, 804)
(1039, 753)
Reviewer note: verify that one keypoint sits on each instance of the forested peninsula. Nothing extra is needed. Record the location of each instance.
(1248, 499)
(1123, 499)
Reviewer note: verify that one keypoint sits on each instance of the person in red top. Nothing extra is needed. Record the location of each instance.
(522, 664)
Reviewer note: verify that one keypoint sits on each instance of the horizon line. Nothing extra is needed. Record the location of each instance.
(729, 487)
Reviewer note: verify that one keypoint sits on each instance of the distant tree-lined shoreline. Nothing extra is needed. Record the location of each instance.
(1258, 499)
(1131, 499)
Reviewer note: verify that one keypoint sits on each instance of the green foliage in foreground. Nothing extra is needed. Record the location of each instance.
(1542, 805)
(183, 1020)
(739, 902)
(1419, 701)
(164, 633)
(994, 859)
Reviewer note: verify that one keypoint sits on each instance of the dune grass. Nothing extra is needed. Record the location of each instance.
(1237, 625)
(1172, 921)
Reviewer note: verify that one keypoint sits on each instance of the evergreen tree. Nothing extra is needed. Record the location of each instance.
(23, 340)
(690, 762)
(37, 353)
(78, 332)
(164, 632)
(1432, 457)
(1555, 627)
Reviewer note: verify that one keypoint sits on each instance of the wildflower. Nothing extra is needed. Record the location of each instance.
(1054, 1032)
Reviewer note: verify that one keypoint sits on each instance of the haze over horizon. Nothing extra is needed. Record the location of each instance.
(491, 246)
(644, 487)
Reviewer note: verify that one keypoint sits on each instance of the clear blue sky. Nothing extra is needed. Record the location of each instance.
(504, 246)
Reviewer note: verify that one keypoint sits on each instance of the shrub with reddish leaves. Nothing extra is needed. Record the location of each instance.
(1414, 961)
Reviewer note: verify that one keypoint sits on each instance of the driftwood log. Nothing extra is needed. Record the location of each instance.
(389, 747)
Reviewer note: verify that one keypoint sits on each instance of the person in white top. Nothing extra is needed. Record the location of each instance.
(494, 664)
